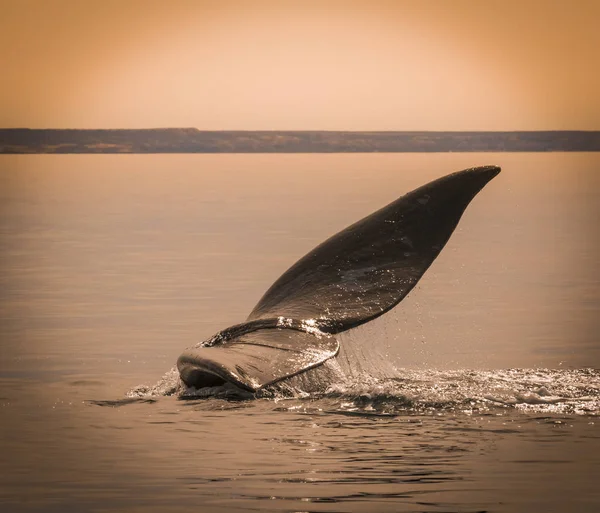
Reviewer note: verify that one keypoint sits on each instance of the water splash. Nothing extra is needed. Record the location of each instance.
(530, 390)
(331, 387)
(169, 384)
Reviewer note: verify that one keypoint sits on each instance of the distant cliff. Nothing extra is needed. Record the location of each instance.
(191, 140)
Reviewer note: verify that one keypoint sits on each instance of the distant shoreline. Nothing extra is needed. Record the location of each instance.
(192, 140)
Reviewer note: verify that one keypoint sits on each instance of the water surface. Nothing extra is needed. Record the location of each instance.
(477, 393)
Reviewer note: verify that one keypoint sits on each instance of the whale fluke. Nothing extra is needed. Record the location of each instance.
(351, 278)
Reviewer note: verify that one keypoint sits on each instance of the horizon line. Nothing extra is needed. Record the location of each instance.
(194, 140)
(551, 130)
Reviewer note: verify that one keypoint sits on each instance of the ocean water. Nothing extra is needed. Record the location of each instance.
(479, 392)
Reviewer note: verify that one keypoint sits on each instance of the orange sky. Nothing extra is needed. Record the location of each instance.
(348, 65)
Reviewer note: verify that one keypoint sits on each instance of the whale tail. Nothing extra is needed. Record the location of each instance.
(353, 277)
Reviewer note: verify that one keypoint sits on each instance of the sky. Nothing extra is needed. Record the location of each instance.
(301, 65)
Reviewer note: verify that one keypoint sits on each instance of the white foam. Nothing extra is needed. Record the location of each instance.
(349, 386)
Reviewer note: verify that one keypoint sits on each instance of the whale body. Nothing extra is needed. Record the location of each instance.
(352, 278)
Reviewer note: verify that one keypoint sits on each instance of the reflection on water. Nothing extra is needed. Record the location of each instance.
(111, 265)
